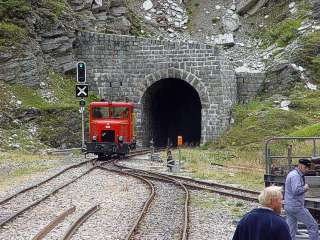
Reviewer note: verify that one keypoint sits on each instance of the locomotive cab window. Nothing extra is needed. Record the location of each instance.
(100, 112)
(120, 112)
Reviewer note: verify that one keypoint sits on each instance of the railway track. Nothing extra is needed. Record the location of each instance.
(173, 213)
(221, 189)
(19, 203)
(27, 198)
(162, 206)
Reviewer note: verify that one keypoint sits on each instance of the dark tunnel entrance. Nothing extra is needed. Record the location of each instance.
(172, 108)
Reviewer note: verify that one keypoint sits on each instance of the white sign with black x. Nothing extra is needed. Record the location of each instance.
(82, 90)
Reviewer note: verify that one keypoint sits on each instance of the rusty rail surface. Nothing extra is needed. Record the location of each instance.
(145, 206)
(163, 178)
(54, 223)
(13, 216)
(73, 228)
(43, 182)
(207, 186)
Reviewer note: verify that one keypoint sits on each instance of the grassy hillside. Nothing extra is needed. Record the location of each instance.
(40, 118)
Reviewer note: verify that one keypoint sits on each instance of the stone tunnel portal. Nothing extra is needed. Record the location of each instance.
(171, 108)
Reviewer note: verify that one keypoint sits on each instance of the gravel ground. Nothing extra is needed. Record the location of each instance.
(54, 166)
(25, 199)
(165, 215)
(120, 198)
(211, 216)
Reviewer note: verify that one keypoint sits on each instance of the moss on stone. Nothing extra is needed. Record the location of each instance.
(281, 33)
(259, 120)
(310, 54)
(57, 123)
(280, 26)
(10, 35)
(10, 9)
(60, 127)
(57, 6)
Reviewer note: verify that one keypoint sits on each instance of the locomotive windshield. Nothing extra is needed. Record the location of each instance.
(110, 112)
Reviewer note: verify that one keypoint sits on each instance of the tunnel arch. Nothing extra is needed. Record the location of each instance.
(189, 77)
(185, 117)
(137, 63)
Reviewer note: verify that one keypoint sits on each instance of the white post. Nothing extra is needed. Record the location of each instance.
(179, 157)
(82, 127)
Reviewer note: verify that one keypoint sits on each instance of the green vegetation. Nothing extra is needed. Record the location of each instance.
(310, 54)
(23, 157)
(308, 131)
(281, 26)
(136, 28)
(202, 164)
(12, 9)
(63, 90)
(281, 33)
(57, 6)
(31, 164)
(236, 208)
(10, 34)
(242, 145)
(192, 7)
(259, 120)
(56, 122)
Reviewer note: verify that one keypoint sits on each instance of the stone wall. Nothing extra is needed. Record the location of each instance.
(120, 67)
(248, 85)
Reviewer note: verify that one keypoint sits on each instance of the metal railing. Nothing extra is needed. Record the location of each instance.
(269, 157)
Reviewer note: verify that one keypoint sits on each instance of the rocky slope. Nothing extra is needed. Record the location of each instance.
(38, 37)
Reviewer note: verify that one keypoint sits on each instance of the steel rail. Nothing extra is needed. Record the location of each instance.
(72, 229)
(54, 223)
(187, 199)
(186, 204)
(43, 182)
(209, 186)
(171, 179)
(145, 206)
(13, 216)
(147, 202)
(134, 153)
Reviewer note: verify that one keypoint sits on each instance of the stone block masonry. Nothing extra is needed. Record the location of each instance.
(120, 67)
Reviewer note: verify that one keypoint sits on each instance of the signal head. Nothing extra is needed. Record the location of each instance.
(81, 72)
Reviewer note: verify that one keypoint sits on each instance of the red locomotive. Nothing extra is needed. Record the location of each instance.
(110, 128)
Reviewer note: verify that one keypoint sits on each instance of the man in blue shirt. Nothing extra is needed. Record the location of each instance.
(264, 223)
(295, 188)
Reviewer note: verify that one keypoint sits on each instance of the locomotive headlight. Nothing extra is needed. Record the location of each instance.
(94, 138)
(120, 139)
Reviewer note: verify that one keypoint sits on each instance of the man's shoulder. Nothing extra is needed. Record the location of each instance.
(257, 213)
(293, 173)
(280, 222)
(278, 218)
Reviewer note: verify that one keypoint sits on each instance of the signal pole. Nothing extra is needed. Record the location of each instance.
(82, 103)
(82, 91)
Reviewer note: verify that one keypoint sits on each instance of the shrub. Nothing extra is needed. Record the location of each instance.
(310, 54)
(57, 6)
(10, 34)
(13, 9)
(283, 32)
(309, 131)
